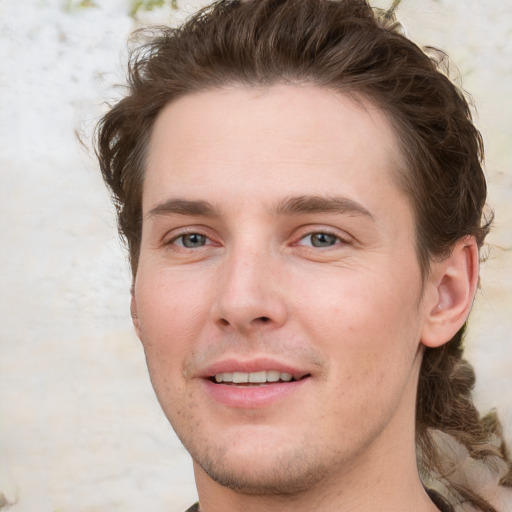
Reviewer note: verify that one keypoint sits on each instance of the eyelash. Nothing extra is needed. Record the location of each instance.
(338, 240)
(174, 239)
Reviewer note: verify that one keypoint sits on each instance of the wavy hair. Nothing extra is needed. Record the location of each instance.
(349, 47)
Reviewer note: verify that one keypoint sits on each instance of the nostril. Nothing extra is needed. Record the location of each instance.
(263, 319)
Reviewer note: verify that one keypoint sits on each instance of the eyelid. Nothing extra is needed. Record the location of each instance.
(177, 233)
(309, 230)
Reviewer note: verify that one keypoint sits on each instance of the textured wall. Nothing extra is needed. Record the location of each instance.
(80, 429)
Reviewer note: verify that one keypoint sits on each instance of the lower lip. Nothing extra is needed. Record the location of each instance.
(252, 397)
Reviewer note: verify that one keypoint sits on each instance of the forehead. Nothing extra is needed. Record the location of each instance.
(288, 140)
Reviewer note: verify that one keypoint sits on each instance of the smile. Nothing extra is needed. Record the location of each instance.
(253, 383)
(253, 389)
(260, 377)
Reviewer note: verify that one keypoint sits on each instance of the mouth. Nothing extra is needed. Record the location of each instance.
(259, 378)
(255, 383)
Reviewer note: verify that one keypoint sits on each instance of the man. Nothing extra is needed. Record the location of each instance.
(301, 192)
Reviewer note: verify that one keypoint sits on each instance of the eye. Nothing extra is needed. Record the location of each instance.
(190, 240)
(320, 240)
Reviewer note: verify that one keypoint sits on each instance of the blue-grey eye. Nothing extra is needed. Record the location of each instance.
(192, 240)
(323, 239)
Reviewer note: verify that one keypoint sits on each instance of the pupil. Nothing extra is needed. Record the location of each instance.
(323, 240)
(193, 240)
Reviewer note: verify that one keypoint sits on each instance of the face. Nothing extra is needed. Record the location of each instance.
(278, 293)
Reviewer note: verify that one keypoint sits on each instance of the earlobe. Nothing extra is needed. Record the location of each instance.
(452, 285)
(135, 316)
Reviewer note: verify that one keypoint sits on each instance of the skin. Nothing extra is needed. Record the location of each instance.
(233, 267)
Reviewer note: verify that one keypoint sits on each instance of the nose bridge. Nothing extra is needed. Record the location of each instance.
(247, 295)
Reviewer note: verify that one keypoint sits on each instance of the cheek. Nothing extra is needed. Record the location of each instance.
(172, 312)
(367, 323)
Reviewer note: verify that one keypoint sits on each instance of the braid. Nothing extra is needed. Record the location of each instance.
(448, 424)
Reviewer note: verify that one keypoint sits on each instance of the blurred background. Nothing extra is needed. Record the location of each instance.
(80, 428)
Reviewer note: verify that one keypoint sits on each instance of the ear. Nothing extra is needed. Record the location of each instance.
(449, 293)
(134, 313)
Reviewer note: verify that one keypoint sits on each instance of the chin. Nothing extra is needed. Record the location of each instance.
(264, 470)
(280, 478)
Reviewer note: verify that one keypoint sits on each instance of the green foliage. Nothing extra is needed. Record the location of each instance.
(72, 5)
(148, 5)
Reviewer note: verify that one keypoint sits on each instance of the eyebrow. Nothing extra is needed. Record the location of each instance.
(184, 207)
(319, 204)
(300, 205)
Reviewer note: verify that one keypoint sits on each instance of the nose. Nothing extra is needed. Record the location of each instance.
(248, 296)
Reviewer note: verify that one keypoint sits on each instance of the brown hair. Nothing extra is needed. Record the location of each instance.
(345, 46)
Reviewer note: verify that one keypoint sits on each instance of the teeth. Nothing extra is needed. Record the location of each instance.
(272, 376)
(258, 376)
(253, 377)
(239, 377)
(221, 376)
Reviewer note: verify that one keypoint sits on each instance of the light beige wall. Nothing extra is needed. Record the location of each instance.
(80, 429)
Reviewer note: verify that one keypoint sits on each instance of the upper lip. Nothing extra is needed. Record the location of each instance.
(247, 365)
